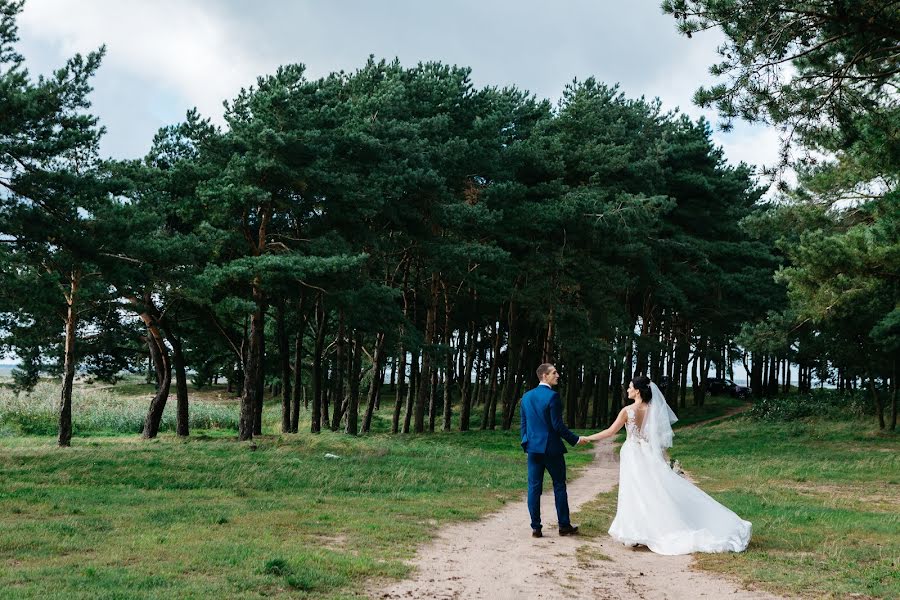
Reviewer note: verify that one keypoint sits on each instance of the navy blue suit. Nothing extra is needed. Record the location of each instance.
(543, 432)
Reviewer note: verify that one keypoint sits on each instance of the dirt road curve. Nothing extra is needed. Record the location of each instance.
(497, 559)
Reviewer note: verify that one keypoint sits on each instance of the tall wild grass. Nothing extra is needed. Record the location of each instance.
(98, 411)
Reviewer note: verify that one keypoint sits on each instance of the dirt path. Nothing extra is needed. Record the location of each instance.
(731, 412)
(496, 558)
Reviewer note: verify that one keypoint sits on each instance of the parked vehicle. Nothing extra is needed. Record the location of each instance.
(719, 386)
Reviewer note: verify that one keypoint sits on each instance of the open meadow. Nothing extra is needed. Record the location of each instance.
(115, 516)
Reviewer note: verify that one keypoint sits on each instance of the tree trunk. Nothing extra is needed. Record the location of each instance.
(284, 358)
(250, 392)
(160, 354)
(64, 438)
(519, 379)
(513, 353)
(658, 354)
(432, 397)
(490, 402)
(684, 371)
(894, 395)
(642, 342)
(448, 399)
(573, 385)
(785, 376)
(427, 350)
(182, 427)
(414, 380)
(401, 378)
(392, 363)
(547, 350)
(375, 386)
(339, 367)
(587, 390)
(773, 376)
(616, 386)
(465, 409)
(629, 359)
(355, 372)
(163, 366)
(695, 379)
(448, 371)
(879, 405)
(261, 372)
(704, 378)
(298, 379)
(601, 398)
(480, 375)
(720, 364)
(317, 371)
(756, 372)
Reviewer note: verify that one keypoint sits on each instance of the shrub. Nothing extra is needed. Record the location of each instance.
(276, 566)
(830, 404)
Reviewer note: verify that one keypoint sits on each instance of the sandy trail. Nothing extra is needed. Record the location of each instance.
(496, 558)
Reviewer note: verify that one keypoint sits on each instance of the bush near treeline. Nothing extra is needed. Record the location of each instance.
(825, 403)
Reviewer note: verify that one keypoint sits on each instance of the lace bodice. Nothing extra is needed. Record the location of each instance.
(631, 427)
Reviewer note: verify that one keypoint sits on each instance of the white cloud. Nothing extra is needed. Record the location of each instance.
(187, 49)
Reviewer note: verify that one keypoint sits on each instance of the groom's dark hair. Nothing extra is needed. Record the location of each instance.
(543, 370)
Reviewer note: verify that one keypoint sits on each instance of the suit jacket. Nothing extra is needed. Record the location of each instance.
(542, 428)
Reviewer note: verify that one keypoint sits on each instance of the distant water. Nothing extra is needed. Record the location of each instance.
(6, 369)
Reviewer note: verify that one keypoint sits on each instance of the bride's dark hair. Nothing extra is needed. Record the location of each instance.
(642, 384)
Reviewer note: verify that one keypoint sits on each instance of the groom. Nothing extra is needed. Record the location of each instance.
(542, 428)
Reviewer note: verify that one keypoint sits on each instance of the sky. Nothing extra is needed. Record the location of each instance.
(167, 56)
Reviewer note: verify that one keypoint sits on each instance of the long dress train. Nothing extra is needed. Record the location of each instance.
(664, 511)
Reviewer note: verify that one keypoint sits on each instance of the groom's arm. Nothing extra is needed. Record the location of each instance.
(523, 425)
(556, 421)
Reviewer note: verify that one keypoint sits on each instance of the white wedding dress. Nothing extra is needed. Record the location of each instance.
(663, 511)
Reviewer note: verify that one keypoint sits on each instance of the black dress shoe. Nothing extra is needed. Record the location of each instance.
(536, 533)
(569, 530)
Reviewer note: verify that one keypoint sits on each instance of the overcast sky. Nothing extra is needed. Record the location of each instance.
(166, 56)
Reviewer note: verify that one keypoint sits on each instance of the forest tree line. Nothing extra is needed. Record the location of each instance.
(397, 226)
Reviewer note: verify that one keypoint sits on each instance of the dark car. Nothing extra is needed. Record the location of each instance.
(719, 386)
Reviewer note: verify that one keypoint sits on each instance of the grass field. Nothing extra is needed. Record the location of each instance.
(119, 517)
(823, 497)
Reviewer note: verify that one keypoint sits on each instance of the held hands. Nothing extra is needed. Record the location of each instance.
(582, 441)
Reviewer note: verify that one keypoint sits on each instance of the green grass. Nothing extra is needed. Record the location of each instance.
(119, 517)
(823, 497)
(587, 556)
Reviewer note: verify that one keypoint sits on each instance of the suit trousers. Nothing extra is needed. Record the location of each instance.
(555, 464)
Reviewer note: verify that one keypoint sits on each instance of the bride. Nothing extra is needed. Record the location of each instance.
(657, 507)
